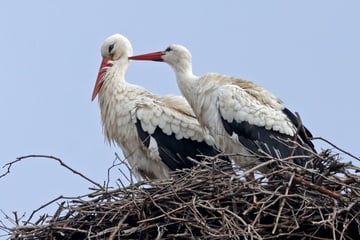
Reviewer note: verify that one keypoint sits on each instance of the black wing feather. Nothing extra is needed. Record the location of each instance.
(257, 138)
(173, 152)
(304, 133)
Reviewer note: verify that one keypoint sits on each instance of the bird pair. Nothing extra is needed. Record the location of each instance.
(220, 114)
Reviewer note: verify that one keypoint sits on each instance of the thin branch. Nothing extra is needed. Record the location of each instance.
(9, 165)
(336, 147)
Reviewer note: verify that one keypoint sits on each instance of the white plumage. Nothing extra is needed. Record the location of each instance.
(243, 118)
(156, 133)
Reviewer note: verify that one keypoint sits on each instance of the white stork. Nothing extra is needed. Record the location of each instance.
(157, 134)
(243, 117)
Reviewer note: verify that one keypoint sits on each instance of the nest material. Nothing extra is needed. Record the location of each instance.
(211, 202)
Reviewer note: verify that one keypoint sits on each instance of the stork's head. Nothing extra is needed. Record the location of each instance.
(115, 50)
(177, 56)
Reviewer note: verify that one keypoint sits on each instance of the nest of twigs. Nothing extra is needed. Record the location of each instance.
(211, 202)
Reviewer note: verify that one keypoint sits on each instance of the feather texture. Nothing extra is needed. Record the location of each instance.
(242, 117)
(156, 133)
(251, 121)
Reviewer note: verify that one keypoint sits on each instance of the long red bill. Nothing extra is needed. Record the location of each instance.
(155, 56)
(99, 80)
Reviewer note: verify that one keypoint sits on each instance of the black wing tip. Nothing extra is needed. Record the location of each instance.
(265, 142)
(175, 152)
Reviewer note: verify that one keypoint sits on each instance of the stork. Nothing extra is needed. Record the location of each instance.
(244, 118)
(157, 134)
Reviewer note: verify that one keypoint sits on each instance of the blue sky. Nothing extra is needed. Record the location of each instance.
(305, 52)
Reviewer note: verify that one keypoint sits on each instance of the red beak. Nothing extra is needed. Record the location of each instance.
(99, 80)
(155, 56)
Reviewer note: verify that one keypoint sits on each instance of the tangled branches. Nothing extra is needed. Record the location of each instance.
(211, 202)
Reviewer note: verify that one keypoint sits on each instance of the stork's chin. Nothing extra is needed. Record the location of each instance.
(100, 78)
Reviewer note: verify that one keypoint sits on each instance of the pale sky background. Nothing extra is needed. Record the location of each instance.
(305, 52)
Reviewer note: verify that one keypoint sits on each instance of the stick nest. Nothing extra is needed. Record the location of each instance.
(210, 201)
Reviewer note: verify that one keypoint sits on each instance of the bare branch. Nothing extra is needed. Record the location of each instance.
(336, 147)
(9, 165)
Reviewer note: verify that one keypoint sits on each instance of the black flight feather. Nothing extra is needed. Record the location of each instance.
(175, 152)
(256, 138)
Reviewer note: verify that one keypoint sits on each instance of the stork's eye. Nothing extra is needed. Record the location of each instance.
(111, 47)
(168, 49)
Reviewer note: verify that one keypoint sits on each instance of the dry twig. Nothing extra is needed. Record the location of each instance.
(210, 202)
